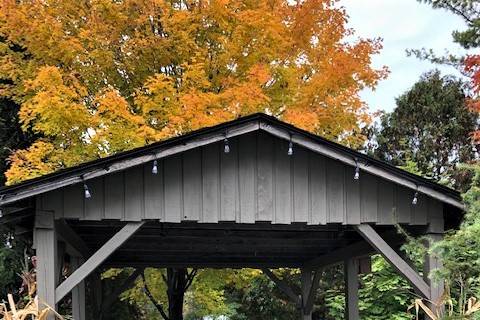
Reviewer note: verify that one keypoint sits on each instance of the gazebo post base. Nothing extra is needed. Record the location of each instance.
(351, 269)
(46, 265)
(437, 286)
(78, 294)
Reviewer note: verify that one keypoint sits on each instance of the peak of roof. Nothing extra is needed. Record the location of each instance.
(241, 125)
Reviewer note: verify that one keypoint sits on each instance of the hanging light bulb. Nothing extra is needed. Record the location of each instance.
(155, 167)
(356, 176)
(226, 146)
(290, 148)
(88, 195)
(415, 198)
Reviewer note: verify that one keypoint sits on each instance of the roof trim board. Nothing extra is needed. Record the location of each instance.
(218, 133)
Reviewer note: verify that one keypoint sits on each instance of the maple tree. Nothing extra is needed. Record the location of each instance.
(98, 77)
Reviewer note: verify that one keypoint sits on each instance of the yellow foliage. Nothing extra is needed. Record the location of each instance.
(98, 77)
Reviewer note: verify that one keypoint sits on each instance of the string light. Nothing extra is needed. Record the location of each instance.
(357, 171)
(155, 167)
(88, 195)
(290, 147)
(415, 198)
(226, 146)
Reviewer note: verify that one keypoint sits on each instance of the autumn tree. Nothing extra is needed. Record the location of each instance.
(99, 77)
(94, 78)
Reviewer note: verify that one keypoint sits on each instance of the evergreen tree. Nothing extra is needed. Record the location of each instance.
(430, 128)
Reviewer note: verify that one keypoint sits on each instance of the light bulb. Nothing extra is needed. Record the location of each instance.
(155, 167)
(415, 198)
(357, 173)
(226, 147)
(290, 148)
(88, 195)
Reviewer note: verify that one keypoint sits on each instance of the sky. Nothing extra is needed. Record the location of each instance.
(403, 24)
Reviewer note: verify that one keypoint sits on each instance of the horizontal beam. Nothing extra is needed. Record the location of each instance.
(376, 241)
(202, 265)
(96, 259)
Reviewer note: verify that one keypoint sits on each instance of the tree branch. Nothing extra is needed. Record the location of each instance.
(152, 298)
(190, 278)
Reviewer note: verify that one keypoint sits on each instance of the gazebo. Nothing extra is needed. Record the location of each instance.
(254, 192)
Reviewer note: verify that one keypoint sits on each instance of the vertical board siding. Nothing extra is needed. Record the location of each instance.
(73, 204)
(256, 181)
(283, 191)
(435, 216)
(115, 196)
(352, 201)
(403, 206)
(173, 189)
(420, 210)
(94, 206)
(192, 184)
(229, 182)
(300, 185)
(318, 189)
(247, 154)
(211, 183)
(53, 200)
(386, 202)
(134, 194)
(265, 178)
(335, 191)
(369, 198)
(153, 195)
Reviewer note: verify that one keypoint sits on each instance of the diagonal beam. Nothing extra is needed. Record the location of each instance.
(376, 241)
(96, 259)
(283, 286)
(72, 238)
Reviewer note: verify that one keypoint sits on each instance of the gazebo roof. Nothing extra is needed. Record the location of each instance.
(277, 197)
(240, 126)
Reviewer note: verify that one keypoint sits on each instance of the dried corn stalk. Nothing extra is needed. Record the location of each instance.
(31, 310)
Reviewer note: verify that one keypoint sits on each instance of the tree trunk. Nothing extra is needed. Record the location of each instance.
(177, 283)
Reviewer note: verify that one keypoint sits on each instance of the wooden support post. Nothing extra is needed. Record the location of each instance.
(78, 293)
(306, 282)
(370, 235)
(351, 289)
(46, 254)
(432, 263)
(97, 258)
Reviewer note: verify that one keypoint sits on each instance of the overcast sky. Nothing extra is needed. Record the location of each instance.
(402, 24)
